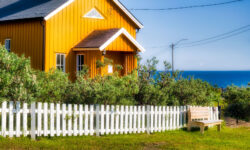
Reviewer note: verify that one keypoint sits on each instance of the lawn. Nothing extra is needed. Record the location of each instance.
(228, 138)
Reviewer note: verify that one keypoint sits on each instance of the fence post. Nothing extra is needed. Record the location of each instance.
(33, 121)
(4, 105)
(148, 119)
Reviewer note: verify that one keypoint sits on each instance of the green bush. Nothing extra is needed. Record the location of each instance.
(238, 100)
(18, 81)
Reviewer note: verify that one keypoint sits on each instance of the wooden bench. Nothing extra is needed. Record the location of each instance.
(199, 116)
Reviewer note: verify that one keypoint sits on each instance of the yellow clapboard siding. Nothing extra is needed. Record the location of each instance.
(26, 38)
(68, 27)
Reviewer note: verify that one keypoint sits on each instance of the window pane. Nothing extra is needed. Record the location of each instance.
(62, 60)
(82, 60)
(57, 59)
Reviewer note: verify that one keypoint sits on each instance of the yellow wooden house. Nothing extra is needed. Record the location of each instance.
(67, 34)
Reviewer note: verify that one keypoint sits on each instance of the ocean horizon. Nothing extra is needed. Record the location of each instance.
(221, 79)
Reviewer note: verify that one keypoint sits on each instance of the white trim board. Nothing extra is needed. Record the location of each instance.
(124, 32)
(57, 10)
(124, 9)
(117, 2)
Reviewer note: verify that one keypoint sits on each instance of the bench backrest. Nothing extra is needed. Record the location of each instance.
(198, 113)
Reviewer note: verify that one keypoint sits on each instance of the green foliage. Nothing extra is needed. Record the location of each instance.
(238, 100)
(17, 80)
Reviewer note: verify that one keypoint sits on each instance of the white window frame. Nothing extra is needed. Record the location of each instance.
(77, 65)
(59, 65)
(8, 48)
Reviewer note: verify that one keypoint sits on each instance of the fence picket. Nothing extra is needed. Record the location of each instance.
(52, 119)
(39, 119)
(11, 114)
(80, 120)
(112, 119)
(130, 119)
(143, 119)
(126, 120)
(25, 126)
(102, 119)
(92, 120)
(107, 119)
(121, 119)
(75, 120)
(18, 119)
(64, 119)
(86, 123)
(91, 127)
(45, 117)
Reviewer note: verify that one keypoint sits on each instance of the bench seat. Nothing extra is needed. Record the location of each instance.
(199, 116)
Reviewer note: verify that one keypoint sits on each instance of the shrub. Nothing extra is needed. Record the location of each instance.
(238, 100)
(17, 80)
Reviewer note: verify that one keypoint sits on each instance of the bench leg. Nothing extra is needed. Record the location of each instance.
(189, 127)
(219, 127)
(202, 129)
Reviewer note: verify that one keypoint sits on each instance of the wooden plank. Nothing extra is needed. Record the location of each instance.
(171, 118)
(97, 120)
(58, 119)
(33, 121)
(81, 120)
(135, 120)
(91, 127)
(102, 119)
(86, 119)
(112, 119)
(25, 127)
(139, 119)
(148, 124)
(4, 117)
(160, 119)
(177, 117)
(117, 120)
(45, 119)
(130, 119)
(164, 118)
(39, 119)
(107, 119)
(75, 120)
(18, 117)
(69, 118)
(143, 119)
(11, 117)
(121, 119)
(152, 119)
(156, 118)
(126, 119)
(52, 119)
(167, 118)
(64, 119)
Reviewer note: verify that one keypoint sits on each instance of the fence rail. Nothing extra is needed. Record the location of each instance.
(43, 119)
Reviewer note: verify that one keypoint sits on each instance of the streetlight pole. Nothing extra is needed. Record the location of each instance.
(173, 46)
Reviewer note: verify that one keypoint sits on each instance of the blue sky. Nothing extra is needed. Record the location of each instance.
(164, 27)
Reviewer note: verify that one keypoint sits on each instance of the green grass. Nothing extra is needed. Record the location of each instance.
(228, 138)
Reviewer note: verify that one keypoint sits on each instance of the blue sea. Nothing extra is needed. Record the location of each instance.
(221, 78)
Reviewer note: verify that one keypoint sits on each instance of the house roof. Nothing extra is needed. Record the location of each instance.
(27, 9)
(100, 39)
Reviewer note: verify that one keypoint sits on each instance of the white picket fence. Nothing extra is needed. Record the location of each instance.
(76, 120)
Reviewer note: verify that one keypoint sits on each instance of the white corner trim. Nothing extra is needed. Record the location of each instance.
(124, 32)
(58, 9)
(119, 4)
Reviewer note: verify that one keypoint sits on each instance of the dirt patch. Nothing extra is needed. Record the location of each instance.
(154, 146)
(231, 122)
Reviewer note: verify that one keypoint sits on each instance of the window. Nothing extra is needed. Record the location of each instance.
(110, 68)
(94, 13)
(7, 44)
(79, 62)
(60, 62)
